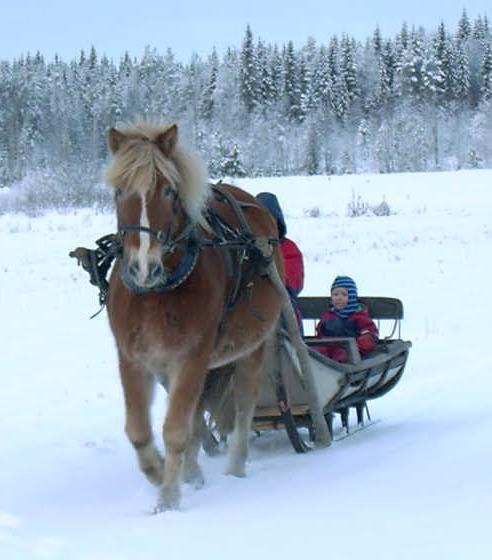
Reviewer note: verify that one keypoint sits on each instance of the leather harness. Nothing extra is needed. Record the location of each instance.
(243, 257)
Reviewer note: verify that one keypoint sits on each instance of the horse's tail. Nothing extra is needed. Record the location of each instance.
(218, 399)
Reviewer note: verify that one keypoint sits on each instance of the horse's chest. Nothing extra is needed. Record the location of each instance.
(158, 341)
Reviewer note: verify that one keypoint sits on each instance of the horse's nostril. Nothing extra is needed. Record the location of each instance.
(133, 268)
(155, 270)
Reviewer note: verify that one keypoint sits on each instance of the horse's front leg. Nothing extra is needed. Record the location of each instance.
(246, 386)
(138, 388)
(192, 472)
(186, 386)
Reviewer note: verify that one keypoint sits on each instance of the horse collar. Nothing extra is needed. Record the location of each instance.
(186, 264)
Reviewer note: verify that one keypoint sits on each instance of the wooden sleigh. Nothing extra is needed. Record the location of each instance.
(284, 400)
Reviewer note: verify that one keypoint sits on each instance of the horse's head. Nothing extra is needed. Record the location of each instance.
(159, 192)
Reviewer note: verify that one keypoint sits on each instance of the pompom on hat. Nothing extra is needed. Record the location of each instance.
(353, 302)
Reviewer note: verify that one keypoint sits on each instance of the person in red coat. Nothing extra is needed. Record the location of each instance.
(294, 266)
(292, 256)
(346, 317)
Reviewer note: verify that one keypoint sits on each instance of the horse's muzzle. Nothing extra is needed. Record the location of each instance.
(155, 280)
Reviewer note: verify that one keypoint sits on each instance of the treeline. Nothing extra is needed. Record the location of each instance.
(417, 101)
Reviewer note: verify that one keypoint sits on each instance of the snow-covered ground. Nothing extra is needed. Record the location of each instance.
(416, 485)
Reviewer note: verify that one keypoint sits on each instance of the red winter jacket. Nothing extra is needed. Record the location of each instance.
(294, 266)
(358, 325)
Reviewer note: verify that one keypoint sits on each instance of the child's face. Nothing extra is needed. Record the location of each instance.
(339, 297)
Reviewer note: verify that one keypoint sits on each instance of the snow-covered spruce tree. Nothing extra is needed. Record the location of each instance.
(377, 42)
(312, 161)
(443, 68)
(474, 48)
(439, 82)
(248, 85)
(229, 111)
(411, 80)
(190, 91)
(402, 42)
(461, 74)
(486, 73)
(304, 79)
(275, 75)
(340, 99)
(387, 73)
(207, 101)
(269, 74)
(481, 31)
(231, 164)
(309, 57)
(291, 85)
(464, 27)
(320, 81)
(226, 160)
(348, 68)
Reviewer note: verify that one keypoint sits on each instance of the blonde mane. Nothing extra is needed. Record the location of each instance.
(138, 162)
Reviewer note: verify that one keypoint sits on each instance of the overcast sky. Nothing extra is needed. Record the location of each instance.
(186, 26)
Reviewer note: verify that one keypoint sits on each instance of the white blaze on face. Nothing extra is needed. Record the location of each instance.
(143, 251)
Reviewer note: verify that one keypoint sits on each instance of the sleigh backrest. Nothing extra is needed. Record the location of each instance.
(380, 309)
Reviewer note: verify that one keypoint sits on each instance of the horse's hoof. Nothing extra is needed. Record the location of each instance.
(151, 464)
(237, 472)
(161, 508)
(196, 479)
(168, 501)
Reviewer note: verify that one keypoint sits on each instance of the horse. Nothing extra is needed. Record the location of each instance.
(185, 300)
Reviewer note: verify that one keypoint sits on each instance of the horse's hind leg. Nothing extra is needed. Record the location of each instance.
(246, 386)
(138, 388)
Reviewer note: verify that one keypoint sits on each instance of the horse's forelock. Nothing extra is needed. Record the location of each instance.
(136, 165)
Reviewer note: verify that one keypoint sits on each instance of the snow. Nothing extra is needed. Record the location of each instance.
(414, 485)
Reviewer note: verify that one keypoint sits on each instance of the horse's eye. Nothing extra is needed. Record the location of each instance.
(168, 191)
(117, 193)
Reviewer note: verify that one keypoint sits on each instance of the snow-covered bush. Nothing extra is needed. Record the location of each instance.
(70, 187)
(358, 207)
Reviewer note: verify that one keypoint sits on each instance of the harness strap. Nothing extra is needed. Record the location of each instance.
(239, 246)
(236, 206)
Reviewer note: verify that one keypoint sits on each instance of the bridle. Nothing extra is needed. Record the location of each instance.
(163, 236)
(186, 242)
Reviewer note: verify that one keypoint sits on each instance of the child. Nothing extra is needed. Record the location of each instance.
(348, 318)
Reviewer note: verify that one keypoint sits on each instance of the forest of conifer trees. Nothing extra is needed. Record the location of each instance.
(419, 101)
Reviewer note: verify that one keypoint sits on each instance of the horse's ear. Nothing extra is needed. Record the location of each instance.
(115, 139)
(168, 140)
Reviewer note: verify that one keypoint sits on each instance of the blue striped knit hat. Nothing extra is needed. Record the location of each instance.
(353, 302)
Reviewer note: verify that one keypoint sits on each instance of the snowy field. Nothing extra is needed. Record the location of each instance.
(416, 485)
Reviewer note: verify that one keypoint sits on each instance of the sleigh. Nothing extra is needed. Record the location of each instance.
(289, 399)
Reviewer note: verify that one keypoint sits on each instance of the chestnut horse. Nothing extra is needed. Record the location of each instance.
(174, 307)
